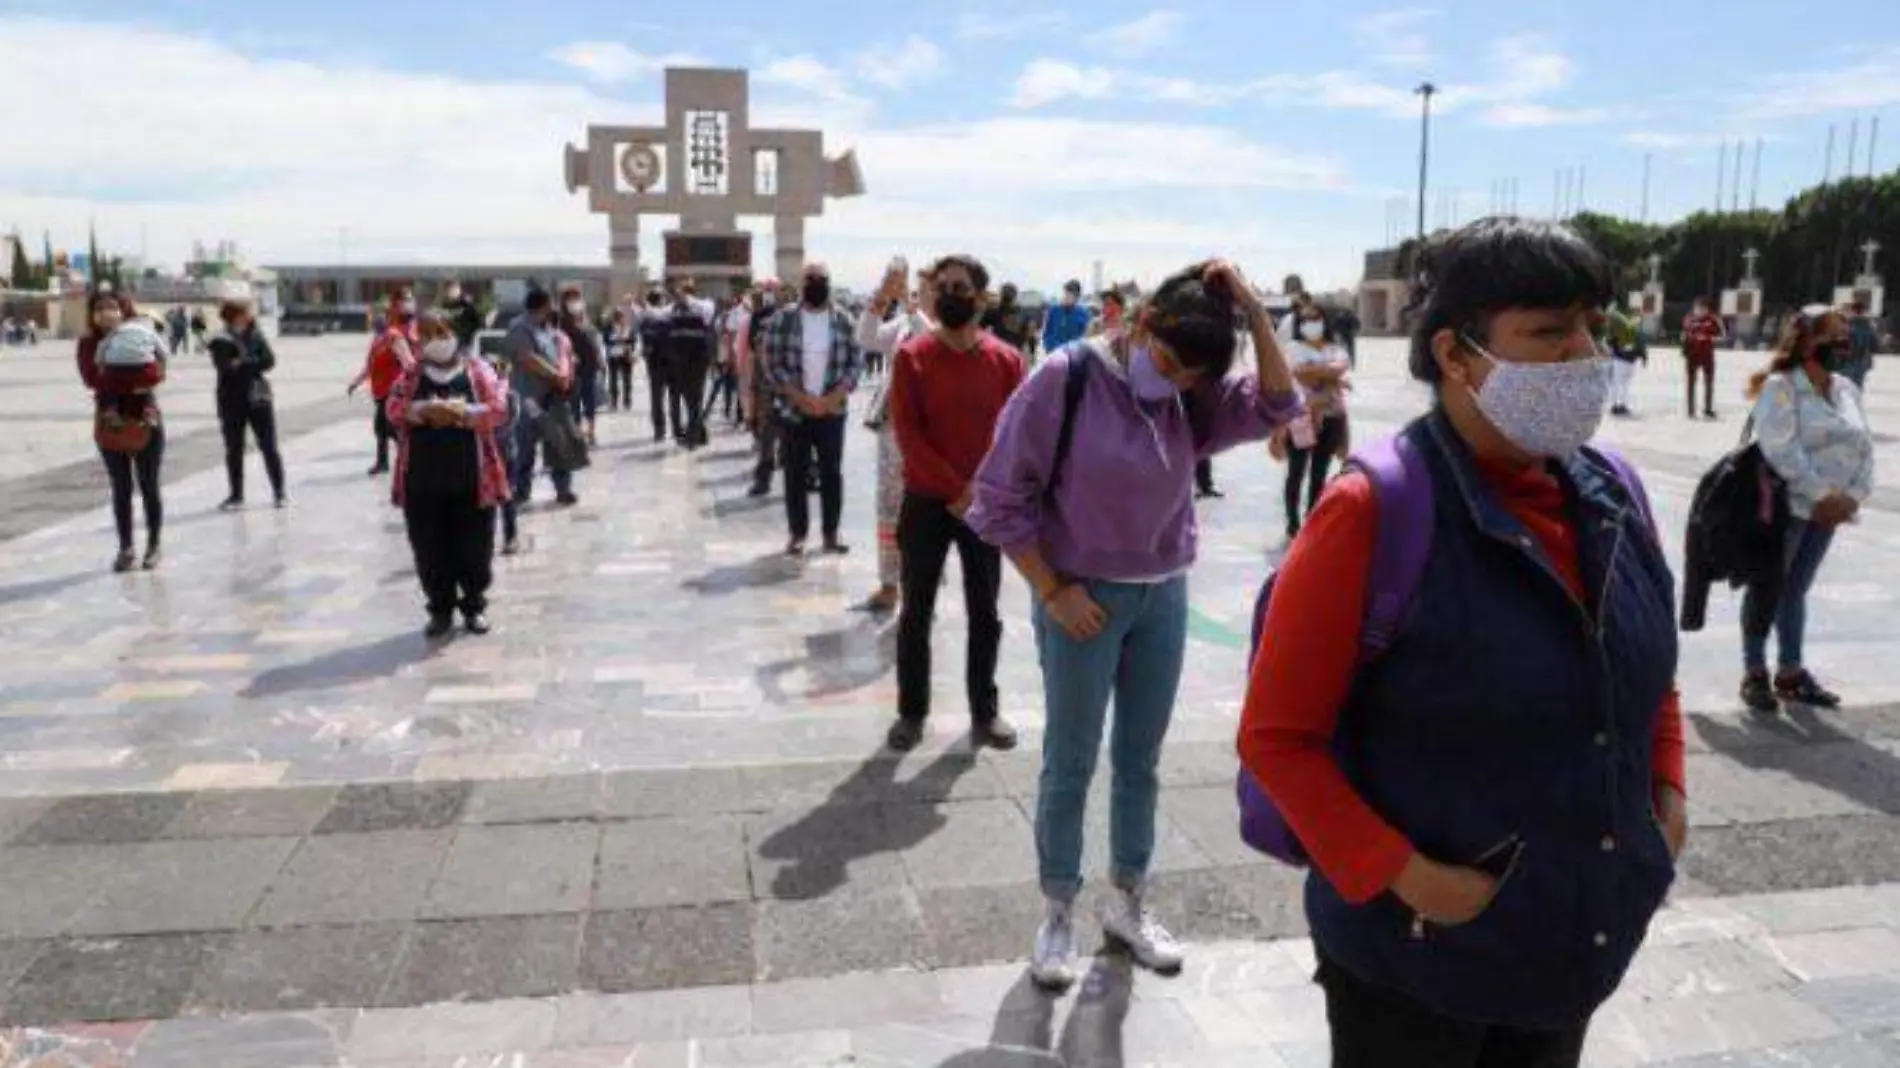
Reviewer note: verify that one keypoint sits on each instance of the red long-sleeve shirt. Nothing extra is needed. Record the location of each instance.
(1301, 677)
(944, 406)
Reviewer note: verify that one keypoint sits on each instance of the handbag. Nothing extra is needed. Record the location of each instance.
(565, 447)
(114, 432)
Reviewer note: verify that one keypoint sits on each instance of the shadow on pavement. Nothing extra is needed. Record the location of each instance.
(1791, 743)
(27, 591)
(1023, 1034)
(731, 506)
(345, 667)
(773, 570)
(835, 662)
(867, 814)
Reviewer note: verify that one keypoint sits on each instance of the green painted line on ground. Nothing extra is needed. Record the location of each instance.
(1205, 628)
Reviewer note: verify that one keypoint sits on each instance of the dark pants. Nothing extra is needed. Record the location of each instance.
(873, 363)
(1706, 369)
(620, 383)
(585, 400)
(1204, 476)
(527, 445)
(660, 390)
(824, 436)
(726, 382)
(1783, 606)
(925, 532)
(770, 437)
(1319, 458)
(454, 541)
(1377, 1028)
(385, 434)
(262, 422)
(123, 469)
(693, 370)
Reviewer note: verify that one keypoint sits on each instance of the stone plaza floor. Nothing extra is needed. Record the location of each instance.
(249, 817)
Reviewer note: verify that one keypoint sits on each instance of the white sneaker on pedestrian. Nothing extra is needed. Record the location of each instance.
(1127, 921)
(1054, 966)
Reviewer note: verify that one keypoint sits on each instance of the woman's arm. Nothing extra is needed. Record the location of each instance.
(490, 410)
(1778, 432)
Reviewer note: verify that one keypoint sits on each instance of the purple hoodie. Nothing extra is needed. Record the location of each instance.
(1124, 506)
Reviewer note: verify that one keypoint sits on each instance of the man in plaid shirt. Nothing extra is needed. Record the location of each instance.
(812, 366)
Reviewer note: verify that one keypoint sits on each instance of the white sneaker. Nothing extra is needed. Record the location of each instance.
(1127, 921)
(1054, 966)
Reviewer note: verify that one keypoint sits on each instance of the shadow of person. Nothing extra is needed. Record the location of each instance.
(46, 587)
(1023, 1034)
(835, 662)
(868, 814)
(345, 667)
(773, 570)
(1802, 744)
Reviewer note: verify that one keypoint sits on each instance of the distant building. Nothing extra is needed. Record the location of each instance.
(1383, 295)
(368, 285)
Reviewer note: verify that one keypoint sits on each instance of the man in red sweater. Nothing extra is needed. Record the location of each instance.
(1701, 332)
(947, 389)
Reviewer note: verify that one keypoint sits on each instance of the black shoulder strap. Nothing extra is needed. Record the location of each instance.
(1075, 382)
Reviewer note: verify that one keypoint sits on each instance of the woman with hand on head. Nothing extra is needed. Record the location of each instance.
(1089, 490)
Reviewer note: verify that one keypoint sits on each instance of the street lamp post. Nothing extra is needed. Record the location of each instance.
(1426, 92)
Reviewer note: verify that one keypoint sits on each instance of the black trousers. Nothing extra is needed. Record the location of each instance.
(122, 470)
(873, 363)
(660, 392)
(692, 369)
(1377, 1028)
(1319, 459)
(769, 438)
(1204, 476)
(261, 420)
(453, 539)
(825, 437)
(925, 532)
(724, 382)
(385, 434)
(620, 383)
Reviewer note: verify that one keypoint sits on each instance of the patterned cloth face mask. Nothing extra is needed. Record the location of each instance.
(1545, 409)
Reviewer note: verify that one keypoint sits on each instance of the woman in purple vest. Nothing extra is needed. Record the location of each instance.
(1105, 538)
(1493, 800)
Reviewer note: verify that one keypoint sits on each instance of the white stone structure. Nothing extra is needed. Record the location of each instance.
(707, 166)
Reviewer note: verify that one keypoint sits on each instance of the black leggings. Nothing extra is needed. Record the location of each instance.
(1332, 433)
(122, 468)
(262, 422)
(620, 382)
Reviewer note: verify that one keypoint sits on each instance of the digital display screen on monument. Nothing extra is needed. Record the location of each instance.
(688, 251)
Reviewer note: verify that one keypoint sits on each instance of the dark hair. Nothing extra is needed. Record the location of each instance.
(1495, 264)
(231, 309)
(1072, 286)
(1325, 317)
(979, 274)
(1793, 348)
(1195, 319)
(537, 299)
(1114, 296)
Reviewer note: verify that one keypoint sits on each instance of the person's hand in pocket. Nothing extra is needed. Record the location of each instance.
(1444, 894)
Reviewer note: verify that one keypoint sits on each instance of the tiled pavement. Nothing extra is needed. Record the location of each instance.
(638, 825)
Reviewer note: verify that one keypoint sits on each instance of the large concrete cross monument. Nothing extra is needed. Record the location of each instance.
(707, 166)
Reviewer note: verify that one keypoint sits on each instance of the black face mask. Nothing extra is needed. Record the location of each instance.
(817, 292)
(955, 310)
(1828, 354)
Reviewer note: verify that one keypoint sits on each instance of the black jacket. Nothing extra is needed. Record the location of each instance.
(465, 319)
(1737, 521)
(242, 361)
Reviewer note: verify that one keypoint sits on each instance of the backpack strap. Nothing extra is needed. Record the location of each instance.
(1075, 382)
(1632, 482)
(1402, 489)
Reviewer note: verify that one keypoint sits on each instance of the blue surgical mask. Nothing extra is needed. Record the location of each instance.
(1146, 379)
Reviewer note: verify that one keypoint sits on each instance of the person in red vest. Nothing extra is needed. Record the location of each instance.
(390, 355)
(1701, 331)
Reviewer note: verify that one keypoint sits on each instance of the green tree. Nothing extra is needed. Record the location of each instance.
(21, 274)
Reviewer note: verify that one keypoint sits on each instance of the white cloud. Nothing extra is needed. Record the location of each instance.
(1005, 26)
(1395, 38)
(896, 66)
(1046, 81)
(806, 74)
(610, 61)
(1871, 83)
(1523, 116)
(1137, 37)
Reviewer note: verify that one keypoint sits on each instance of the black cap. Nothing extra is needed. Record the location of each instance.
(1072, 286)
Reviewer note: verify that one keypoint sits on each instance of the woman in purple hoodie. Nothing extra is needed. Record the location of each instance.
(1089, 490)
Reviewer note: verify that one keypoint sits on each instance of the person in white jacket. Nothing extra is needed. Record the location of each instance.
(883, 328)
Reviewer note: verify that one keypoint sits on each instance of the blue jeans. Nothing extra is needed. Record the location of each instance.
(527, 444)
(1137, 658)
(1804, 547)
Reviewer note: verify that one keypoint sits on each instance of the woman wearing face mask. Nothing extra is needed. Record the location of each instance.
(390, 355)
(1321, 366)
(888, 321)
(243, 357)
(450, 474)
(1104, 532)
(122, 374)
(1812, 430)
(1492, 795)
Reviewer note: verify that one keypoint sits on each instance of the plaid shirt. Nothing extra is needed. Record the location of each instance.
(783, 363)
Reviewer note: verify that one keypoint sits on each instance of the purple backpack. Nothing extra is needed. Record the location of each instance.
(1402, 491)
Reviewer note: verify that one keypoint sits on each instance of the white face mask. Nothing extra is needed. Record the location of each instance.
(1312, 329)
(1545, 409)
(576, 308)
(439, 351)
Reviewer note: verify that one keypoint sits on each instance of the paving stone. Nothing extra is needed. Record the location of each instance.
(542, 799)
(1838, 954)
(1863, 1004)
(1806, 911)
(1273, 894)
(226, 776)
(42, 889)
(1701, 969)
(978, 925)
(19, 813)
(103, 819)
(520, 870)
(704, 862)
(773, 787)
(1209, 818)
(396, 807)
(263, 813)
(1844, 1052)
(799, 939)
(137, 978)
(277, 1040)
(766, 1051)
(16, 956)
(969, 843)
(297, 968)
(1198, 906)
(802, 855)
(486, 959)
(642, 794)
(847, 1001)
(602, 1020)
(1796, 854)
(1680, 1028)
(657, 949)
(452, 1034)
(184, 886)
(354, 878)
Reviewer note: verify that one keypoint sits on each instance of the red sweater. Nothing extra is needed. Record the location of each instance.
(1301, 677)
(944, 405)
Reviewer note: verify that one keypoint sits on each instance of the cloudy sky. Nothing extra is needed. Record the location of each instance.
(1039, 137)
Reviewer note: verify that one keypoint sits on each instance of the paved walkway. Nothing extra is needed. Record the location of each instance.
(647, 821)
